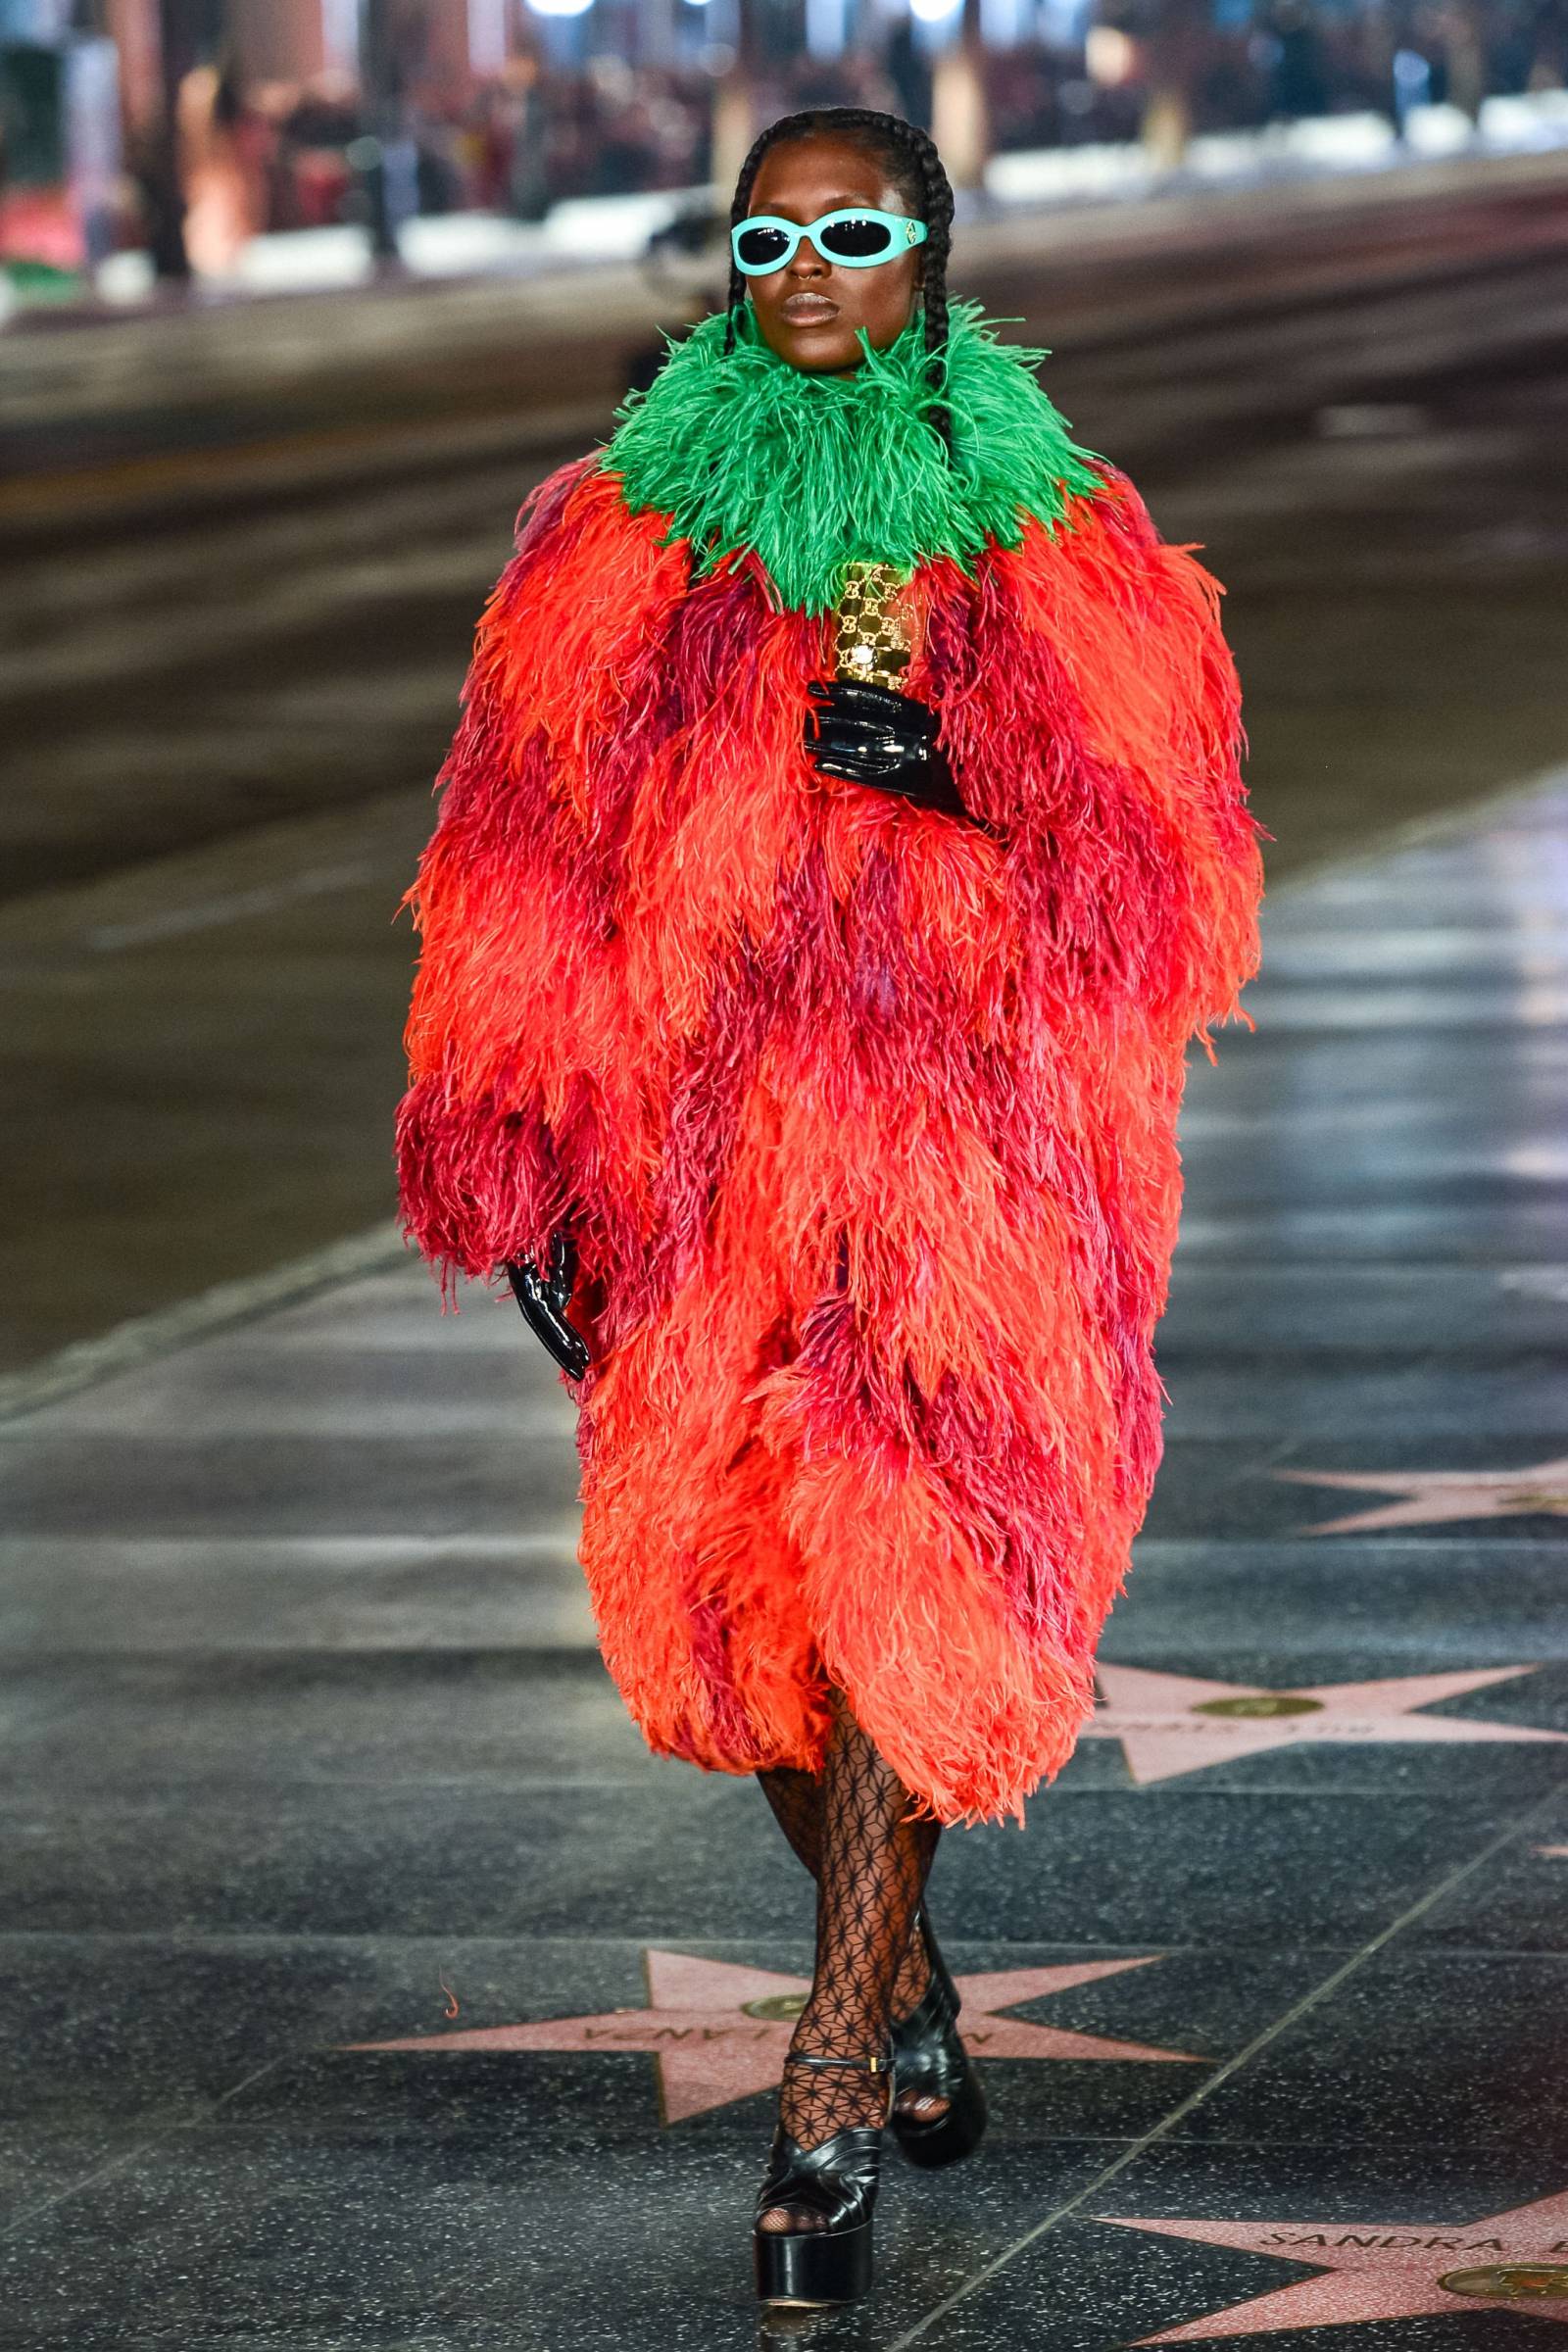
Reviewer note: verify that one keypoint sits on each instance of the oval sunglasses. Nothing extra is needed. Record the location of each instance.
(856, 239)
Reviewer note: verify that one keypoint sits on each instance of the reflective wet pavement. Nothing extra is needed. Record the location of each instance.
(367, 1983)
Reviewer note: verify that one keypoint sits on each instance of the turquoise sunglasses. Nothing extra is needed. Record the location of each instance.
(855, 240)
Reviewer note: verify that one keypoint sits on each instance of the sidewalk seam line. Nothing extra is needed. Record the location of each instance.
(137, 2148)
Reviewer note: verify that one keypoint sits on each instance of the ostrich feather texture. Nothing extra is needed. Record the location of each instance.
(864, 1119)
(815, 473)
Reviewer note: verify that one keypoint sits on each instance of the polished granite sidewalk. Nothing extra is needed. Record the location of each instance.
(365, 1982)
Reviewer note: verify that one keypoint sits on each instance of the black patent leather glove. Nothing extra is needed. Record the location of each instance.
(872, 735)
(544, 1300)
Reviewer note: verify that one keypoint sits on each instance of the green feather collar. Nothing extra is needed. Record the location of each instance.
(815, 473)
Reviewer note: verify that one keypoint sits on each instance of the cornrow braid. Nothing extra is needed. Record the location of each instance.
(915, 169)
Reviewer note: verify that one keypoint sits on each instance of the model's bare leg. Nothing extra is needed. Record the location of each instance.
(872, 1866)
(796, 1798)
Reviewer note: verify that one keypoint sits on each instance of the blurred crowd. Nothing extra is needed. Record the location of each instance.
(275, 156)
(1287, 61)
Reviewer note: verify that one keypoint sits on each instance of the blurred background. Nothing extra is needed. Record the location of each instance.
(299, 297)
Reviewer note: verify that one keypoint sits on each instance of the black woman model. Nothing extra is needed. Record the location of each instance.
(841, 843)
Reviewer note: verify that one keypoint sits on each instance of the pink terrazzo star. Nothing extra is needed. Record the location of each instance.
(1431, 1498)
(1377, 2270)
(1170, 1724)
(720, 2032)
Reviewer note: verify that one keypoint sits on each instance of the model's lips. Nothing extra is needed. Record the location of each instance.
(810, 309)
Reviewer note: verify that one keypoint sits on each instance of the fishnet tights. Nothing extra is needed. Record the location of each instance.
(869, 1861)
(796, 1798)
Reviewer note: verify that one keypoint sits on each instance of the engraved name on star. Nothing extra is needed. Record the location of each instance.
(1433, 1497)
(719, 2032)
(1516, 2260)
(1170, 1724)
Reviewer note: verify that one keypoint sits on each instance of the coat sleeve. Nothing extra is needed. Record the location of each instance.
(519, 1113)
(1091, 710)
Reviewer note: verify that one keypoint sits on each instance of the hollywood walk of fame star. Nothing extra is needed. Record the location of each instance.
(1431, 1498)
(720, 2032)
(1516, 2260)
(1170, 1724)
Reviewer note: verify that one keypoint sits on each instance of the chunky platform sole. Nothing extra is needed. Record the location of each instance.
(949, 2135)
(812, 2266)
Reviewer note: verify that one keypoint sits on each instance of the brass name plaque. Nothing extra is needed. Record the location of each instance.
(1253, 1704)
(1513, 2282)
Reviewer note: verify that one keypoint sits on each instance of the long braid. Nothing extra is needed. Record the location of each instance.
(740, 206)
(915, 168)
(937, 213)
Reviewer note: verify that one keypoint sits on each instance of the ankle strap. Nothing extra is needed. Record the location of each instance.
(877, 2062)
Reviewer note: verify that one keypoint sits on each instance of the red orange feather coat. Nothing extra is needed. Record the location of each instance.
(863, 1119)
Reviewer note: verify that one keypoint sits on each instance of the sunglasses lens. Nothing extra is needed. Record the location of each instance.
(859, 240)
(762, 248)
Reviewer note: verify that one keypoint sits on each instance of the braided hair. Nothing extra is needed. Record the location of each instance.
(915, 169)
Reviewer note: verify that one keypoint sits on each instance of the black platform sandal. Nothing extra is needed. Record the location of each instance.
(828, 2262)
(930, 2062)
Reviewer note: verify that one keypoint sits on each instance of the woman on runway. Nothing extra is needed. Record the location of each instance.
(841, 843)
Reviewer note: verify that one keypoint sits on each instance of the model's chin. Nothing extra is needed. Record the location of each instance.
(825, 350)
